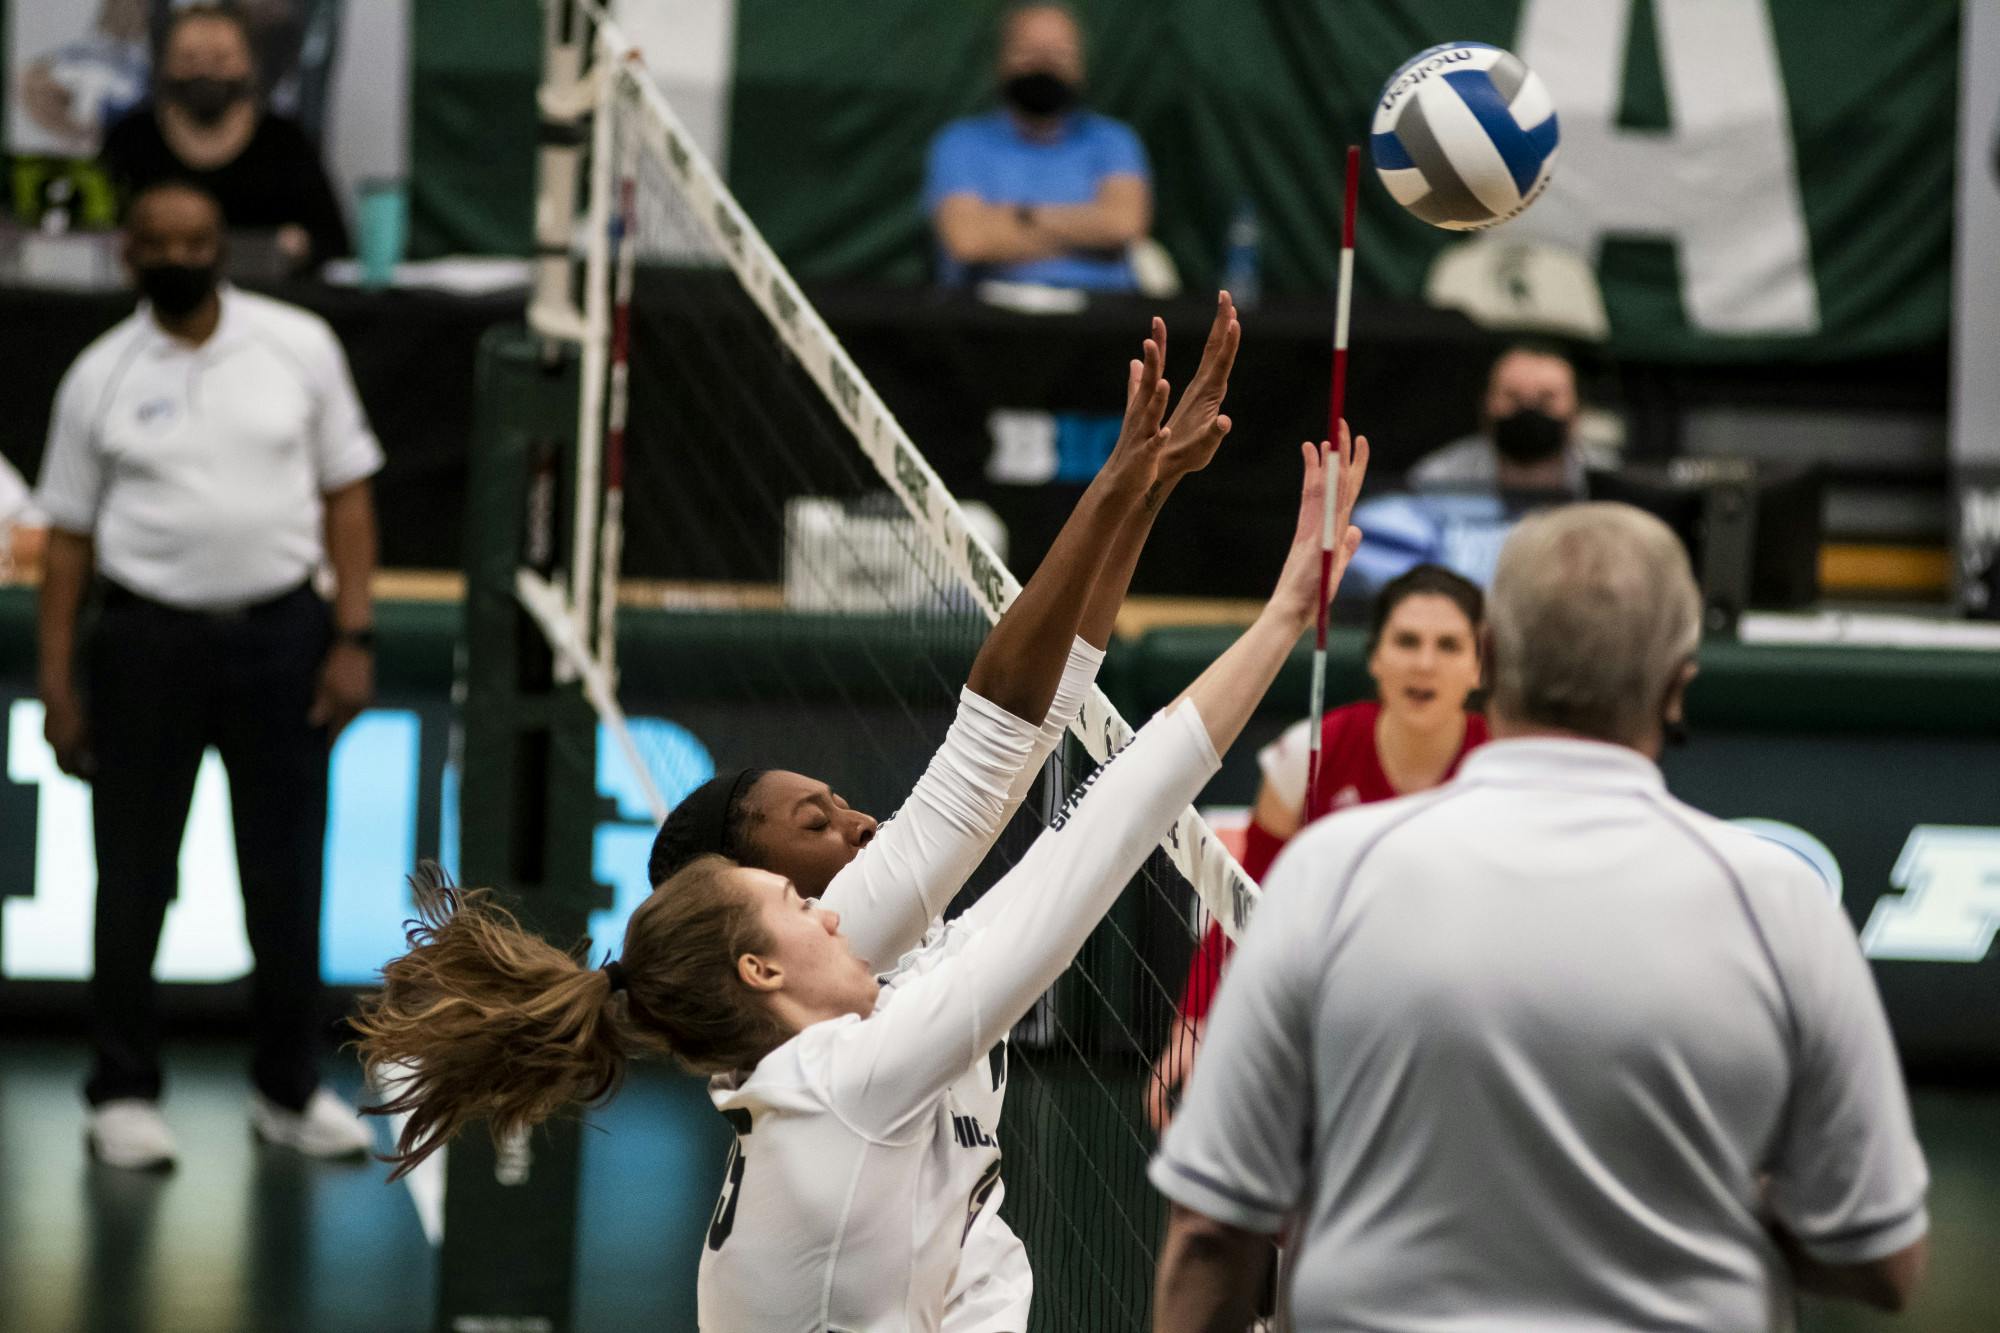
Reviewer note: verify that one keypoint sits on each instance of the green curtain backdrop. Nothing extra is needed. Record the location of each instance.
(1237, 100)
(474, 68)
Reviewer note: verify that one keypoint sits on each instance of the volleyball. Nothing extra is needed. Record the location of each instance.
(1464, 135)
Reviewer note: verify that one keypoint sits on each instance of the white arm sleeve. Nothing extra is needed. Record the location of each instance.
(1079, 674)
(889, 894)
(1848, 1178)
(1236, 1149)
(886, 1068)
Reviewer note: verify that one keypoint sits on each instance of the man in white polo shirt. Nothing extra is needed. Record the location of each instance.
(1544, 1048)
(206, 456)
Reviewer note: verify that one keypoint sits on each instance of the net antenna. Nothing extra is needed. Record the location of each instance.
(654, 131)
(1328, 538)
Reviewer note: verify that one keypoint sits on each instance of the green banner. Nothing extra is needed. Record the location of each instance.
(1753, 180)
(1829, 143)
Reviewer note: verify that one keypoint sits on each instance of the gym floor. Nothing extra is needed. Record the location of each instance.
(243, 1237)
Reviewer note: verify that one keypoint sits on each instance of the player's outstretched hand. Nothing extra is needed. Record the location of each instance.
(1197, 425)
(1297, 593)
(1141, 437)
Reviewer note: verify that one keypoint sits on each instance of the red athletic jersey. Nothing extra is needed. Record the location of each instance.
(1350, 774)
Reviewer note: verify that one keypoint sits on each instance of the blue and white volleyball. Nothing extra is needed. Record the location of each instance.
(1464, 136)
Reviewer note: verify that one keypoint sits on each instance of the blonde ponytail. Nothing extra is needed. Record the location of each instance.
(482, 1020)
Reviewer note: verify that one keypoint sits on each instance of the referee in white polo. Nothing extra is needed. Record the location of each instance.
(1544, 1048)
(206, 456)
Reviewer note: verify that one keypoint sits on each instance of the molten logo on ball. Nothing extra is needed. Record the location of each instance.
(1464, 136)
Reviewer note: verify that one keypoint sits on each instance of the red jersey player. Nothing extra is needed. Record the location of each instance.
(1423, 653)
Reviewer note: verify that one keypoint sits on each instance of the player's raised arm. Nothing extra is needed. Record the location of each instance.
(1230, 690)
(1080, 584)
(1194, 432)
(1029, 926)
(1039, 662)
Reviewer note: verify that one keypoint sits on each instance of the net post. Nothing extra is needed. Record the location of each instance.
(527, 821)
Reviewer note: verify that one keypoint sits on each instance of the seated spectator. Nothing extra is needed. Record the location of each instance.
(1527, 438)
(207, 124)
(1043, 189)
(1466, 497)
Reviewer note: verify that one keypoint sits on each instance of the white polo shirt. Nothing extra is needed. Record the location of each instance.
(199, 471)
(1516, 1052)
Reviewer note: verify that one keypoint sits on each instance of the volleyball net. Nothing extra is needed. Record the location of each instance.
(762, 568)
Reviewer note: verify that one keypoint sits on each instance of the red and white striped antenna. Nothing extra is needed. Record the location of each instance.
(1327, 536)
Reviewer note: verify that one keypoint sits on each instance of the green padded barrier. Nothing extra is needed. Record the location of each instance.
(1742, 687)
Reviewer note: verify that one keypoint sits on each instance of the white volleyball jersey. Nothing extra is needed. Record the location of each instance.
(865, 1150)
(890, 894)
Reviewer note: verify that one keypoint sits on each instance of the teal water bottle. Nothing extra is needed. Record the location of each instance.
(384, 215)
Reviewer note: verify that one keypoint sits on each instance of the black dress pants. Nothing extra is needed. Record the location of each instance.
(164, 685)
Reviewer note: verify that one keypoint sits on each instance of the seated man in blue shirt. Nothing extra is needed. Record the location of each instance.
(1042, 190)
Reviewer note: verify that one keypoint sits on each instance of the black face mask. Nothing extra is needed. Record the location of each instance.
(1530, 436)
(206, 100)
(1040, 93)
(177, 290)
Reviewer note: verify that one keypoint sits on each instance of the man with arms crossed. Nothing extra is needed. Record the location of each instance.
(1043, 190)
(1543, 1047)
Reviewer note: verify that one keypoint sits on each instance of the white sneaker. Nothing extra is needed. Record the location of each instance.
(328, 1127)
(131, 1133)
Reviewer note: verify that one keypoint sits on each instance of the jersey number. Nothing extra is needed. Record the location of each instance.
(981, 1192)
(724, 1220)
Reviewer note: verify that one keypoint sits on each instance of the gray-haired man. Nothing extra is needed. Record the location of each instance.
(1545, 1048)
